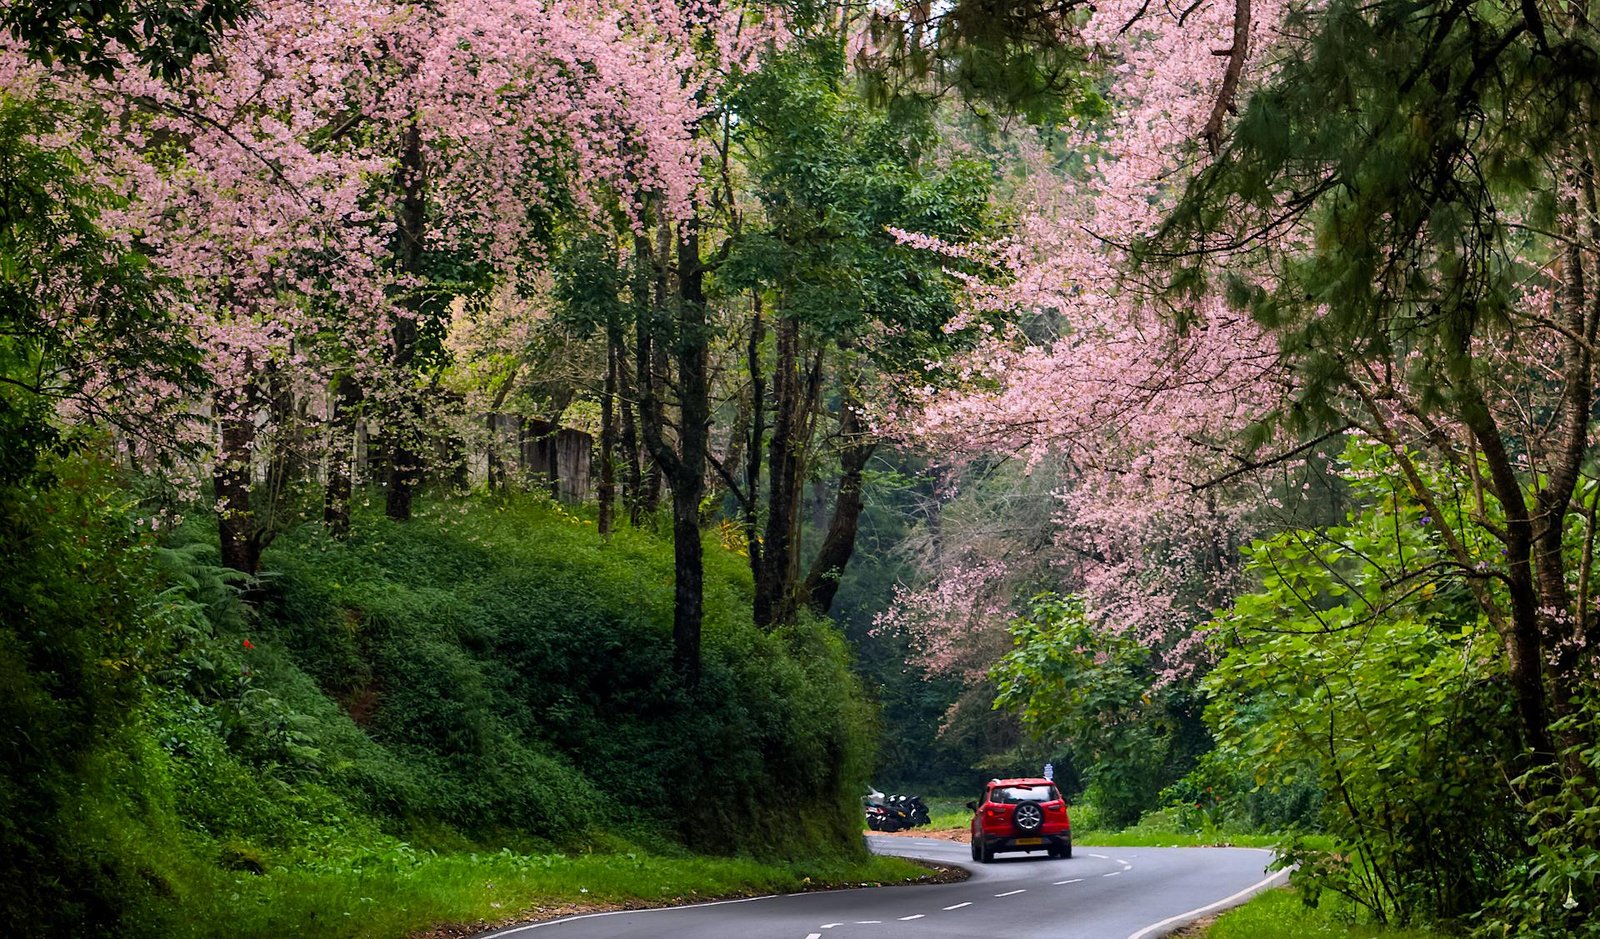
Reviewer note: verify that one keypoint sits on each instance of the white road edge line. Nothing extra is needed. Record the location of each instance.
(957, 906)
(1075, 880)
(659, 909)
(1012, 893)
(1154, 928)
(906, 919)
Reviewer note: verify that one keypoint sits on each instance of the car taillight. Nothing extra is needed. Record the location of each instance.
(994, 813)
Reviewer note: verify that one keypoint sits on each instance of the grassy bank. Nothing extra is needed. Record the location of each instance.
(398, 892)
(461, 718)
(1280, 914)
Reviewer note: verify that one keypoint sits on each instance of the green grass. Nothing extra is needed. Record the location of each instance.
(396, 893)
(1156, 830)
(1140, 836)
(948, 812)
(1279, 914)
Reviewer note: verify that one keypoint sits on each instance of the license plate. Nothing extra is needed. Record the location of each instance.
(1030, 841)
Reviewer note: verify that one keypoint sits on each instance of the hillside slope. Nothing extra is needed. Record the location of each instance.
(479, 697)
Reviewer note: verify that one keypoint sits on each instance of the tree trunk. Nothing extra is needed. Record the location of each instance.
(795, 396)
(607, 494)
(758, 433)
(1522, 639)
(732, 458)
(633, 476)
(405, 459)
(341, 453)
(827, 569)
(654, 476)
(688, 591)
(1564, 634)
(649, 366)
(650, 493)
(689, 480)
(231, 478)
(684, 467)
(286, 455)
(783, 482)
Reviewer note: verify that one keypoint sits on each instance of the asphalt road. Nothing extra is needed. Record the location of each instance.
(1099, 893)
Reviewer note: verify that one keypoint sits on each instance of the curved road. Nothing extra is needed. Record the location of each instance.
(1100, 893)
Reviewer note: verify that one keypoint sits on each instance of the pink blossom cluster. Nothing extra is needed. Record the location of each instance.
(1137, 405)
(269, 180)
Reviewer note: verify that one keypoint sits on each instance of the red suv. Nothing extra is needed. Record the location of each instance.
(1020, 815)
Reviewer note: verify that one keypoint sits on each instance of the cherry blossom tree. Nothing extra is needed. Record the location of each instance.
(1141, 410)
(334, 175)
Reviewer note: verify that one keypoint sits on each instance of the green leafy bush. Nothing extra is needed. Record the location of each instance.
(521, 660)
(1097, 694)
(85, 811)
(1362, 662)
(1550, 890)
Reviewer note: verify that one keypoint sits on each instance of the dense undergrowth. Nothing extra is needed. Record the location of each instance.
(456, 718)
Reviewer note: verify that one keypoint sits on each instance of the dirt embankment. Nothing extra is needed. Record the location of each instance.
(958, 835)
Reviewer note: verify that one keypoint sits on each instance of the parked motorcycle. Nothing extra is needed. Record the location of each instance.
(894, 813)
(877, 817)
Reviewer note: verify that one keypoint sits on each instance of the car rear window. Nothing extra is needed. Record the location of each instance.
(1010, 795)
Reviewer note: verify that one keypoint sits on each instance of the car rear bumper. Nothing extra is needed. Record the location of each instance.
(1029, 843)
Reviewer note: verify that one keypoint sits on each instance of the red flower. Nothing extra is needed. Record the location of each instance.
(248, 645)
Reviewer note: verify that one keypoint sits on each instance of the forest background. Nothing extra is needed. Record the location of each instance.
(429, 429)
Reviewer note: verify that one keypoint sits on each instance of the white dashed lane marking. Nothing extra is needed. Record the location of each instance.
(1125, 866)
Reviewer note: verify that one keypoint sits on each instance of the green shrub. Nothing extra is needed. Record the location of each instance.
(1385, 688)
(1552, 891)
(79, 634)
(520, 659)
